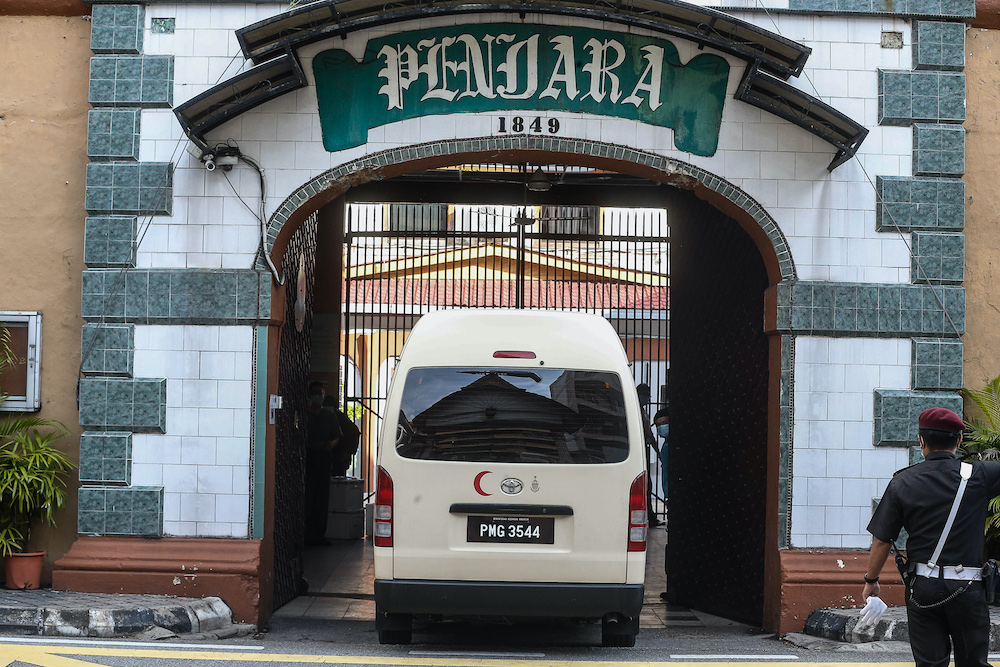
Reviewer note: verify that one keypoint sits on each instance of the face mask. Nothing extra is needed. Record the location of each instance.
(663, 430)
(316, 399)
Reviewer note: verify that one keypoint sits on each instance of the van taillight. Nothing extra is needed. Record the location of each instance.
(383, 509)
(636, 514)
(513, 354)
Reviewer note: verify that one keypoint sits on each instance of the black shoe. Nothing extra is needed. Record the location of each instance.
(663, 596)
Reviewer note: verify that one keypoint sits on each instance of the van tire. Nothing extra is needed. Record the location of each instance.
(617, 630)
(394, 636)
(393, 628)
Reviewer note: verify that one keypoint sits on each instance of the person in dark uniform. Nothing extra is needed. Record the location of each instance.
(642, 390)
(946, 603)
(323, 434)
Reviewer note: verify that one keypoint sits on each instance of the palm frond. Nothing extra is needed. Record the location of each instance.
(987, 400)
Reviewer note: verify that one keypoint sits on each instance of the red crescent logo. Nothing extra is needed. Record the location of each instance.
(479, 479)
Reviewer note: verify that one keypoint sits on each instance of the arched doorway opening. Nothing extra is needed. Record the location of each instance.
(718, 372)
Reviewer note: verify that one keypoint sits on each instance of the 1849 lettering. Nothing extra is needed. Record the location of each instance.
(520, 124)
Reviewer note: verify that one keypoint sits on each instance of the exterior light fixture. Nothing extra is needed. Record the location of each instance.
(539, 182)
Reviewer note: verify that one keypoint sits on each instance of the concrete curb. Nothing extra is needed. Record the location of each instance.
(820, 644)
(69, 614)
(841, 625)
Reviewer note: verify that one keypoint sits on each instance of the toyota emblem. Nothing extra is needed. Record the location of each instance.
(511, 486)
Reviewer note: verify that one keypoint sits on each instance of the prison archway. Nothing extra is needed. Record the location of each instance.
(724, 407)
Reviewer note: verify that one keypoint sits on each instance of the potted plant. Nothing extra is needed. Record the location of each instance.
(32, 483)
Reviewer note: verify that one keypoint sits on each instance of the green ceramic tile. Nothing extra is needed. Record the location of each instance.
(118, 523)
(117, 471)
(91, 469)
(91, 499)
(938, 150)
(898, 411)
(90, 523)
(939, 204)
(147, 523)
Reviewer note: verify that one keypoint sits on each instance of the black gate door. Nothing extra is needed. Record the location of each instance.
(718, 417)
(293, 377)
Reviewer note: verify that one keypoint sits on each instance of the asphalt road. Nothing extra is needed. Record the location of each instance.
(452, 644)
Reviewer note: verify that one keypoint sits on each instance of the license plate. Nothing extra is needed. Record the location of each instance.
(512, 529)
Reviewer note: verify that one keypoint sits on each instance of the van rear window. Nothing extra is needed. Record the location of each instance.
(512, 415)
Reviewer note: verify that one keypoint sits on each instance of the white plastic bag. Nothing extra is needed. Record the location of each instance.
(871, 612)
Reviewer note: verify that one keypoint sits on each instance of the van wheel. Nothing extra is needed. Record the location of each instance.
(617, 630)
(394, 636)
(393, 628)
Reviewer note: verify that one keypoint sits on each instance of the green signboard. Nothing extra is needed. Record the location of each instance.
(521, 68)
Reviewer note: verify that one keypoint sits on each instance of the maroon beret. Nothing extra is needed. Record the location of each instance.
(940, 419)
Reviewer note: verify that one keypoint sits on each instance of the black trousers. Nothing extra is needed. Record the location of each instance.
(319, 462)
(962, 624)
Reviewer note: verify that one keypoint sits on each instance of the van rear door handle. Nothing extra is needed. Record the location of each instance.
(513, 510)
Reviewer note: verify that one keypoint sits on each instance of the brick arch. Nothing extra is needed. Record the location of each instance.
(718, 192)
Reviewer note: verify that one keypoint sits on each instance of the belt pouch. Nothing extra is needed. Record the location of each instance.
(990, 577)
(906, 570)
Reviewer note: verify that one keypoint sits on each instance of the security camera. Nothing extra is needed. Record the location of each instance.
(209, 162)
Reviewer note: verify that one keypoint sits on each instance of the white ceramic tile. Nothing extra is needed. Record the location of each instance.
(180, 528)
(241, 479)
(197, 507)
(215, 479)
(215, 422)
(859, 541)
(171, 506)
(214, 529)
(198, 393)
(232, 451)
(218, 365)
(201, 338)
(880, 463)
(236, 339)
(825, 491)
(858, 435)
(182, 421)
(232, 508)
(147, 474)
(825, 434)
(823, 541)
(197, 450)
(180, 479)
(234, 394)
(859, 493)
(844, 463)
(154, 448)
(809, 463)
(843, 520)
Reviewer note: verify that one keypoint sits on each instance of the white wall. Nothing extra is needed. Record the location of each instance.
(836, 470)
(828, 219)
(203, 459)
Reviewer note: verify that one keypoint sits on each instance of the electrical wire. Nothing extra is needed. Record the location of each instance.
(141, 231)
(260, 215)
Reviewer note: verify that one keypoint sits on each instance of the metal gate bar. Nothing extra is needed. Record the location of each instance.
(499, 256)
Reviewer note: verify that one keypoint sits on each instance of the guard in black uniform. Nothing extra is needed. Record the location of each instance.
(946, 604)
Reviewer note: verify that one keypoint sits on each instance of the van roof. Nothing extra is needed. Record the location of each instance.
(558, 339)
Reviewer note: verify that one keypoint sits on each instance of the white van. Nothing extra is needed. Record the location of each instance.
(511, 477)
